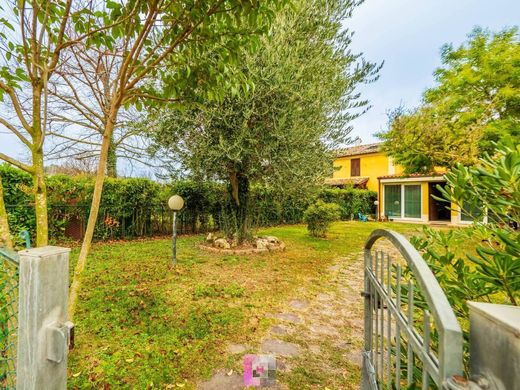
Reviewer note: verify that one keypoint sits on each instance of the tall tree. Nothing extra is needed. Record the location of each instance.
(33, 36)
(165, 52)
(281, 132)
(475, 103)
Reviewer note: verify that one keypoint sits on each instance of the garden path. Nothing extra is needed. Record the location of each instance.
(317, 339)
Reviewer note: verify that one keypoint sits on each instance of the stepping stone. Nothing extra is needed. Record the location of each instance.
(236, 348)
(289, 317)
(280, 348)
(324, 330)
(345, 345)
(222, 380)
(355, 358)
(279, 330)
(324, 297)
(299, 304)
(315, 349)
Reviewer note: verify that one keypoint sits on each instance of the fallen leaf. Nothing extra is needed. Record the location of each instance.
(230, 372)
(131, 360)
(76, 374)
(181, 384)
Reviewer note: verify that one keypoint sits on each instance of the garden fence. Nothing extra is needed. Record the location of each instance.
(8, 318)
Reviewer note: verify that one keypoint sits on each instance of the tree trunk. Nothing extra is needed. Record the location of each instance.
(38, 174)
(239, 191)
(112, 159)
(94, 211)
(40, 200)
(5, 236)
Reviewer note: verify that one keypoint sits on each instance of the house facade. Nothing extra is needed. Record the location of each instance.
(400, 197)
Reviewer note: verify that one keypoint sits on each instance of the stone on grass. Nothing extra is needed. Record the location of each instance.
(299, 304)
(211, 237)
(221, 380)
(279, 347)
(289, 317)
(279, 330)
(324, 297)
(222, 243)
(355, 358)
(324, 330)
(272, 239)
(261, 243)
(236, 348)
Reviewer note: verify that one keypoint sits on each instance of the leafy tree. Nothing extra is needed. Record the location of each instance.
(475, 103)
(159, 52)
(280, 133)
(33, 36)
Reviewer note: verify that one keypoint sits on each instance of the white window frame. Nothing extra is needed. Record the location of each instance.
(402, 185)
(460, 221)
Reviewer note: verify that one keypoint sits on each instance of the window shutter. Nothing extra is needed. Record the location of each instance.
(354, 167)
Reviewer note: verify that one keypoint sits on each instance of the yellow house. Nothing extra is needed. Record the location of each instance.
(400, 197)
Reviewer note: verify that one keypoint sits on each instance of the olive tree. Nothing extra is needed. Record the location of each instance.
(281, 132)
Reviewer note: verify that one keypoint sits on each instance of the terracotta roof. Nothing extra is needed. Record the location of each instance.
(354, 181)
(359, 149)
(408, 175)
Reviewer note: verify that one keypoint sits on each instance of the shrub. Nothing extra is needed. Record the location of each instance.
(490, 270)
(319, 216)
(350, 200)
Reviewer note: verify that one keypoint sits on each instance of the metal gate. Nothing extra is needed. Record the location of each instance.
(412, 337)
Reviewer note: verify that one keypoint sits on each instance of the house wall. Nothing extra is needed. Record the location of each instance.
(372, 166)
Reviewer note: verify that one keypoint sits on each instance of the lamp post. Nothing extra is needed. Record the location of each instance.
(176, 203)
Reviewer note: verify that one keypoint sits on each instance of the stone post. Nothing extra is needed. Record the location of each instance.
(43, 330)
(494, 345)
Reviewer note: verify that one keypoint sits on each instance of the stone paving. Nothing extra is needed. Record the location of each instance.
(328, 316)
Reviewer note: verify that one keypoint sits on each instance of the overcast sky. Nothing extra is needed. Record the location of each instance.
(408, 35)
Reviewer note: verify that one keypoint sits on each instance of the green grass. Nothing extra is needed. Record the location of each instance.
(139, 324)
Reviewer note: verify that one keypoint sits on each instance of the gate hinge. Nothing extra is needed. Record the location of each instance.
(58, 338)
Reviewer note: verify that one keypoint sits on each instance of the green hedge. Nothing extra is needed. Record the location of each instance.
(351, 201)
(135, 207)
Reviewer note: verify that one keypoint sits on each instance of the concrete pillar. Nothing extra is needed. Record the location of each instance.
(495, 345)
(43, 331)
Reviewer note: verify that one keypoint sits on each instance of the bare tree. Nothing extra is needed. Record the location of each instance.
(33, 36)
(166, 49)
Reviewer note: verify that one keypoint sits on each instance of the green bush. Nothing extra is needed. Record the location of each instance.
(480, 262)
(350, 200)
(135, 207)
(319, 216)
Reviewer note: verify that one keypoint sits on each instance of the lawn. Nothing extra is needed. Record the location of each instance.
(140, 324)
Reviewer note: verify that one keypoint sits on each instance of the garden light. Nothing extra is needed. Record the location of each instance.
(176, 203)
